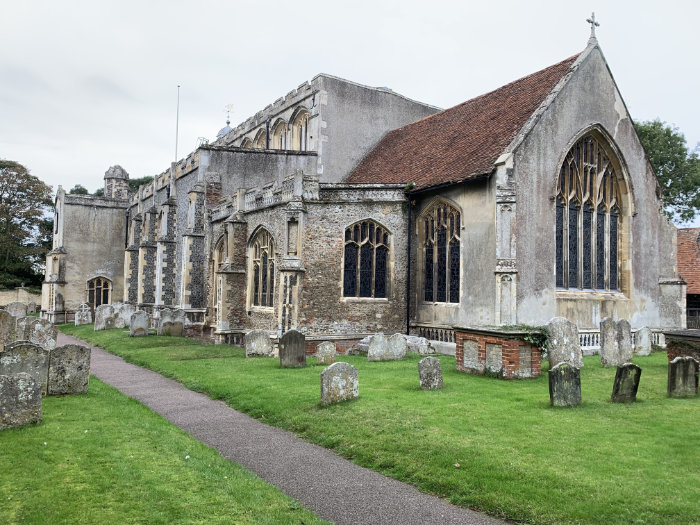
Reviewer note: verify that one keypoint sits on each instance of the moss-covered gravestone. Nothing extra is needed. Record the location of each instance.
(626, 383)
(20, 400)
(69, 370)
(683, 377)
(292, 347)
(339, 382)
(23, 356)
(565, 386)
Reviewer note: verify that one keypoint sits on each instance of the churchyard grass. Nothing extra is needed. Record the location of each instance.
(480, 442)
(105, 458)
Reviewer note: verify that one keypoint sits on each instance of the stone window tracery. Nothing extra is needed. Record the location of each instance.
(247, 143)
(587, 220)
(300, 131)
(441, 225)
(262, 269)
(279, 135)
(366, 258)
(98, 291)
(260, 140)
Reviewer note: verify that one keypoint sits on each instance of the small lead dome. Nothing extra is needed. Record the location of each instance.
(223, 131)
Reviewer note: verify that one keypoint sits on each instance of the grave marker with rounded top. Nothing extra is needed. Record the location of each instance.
(683, 377)
(565, 385)
(626, 383)
(25, 356)
(38, 331)
(430, 373)
(20, 400)
(172, 322)
(257, 343)
(138, 324)
(292, 348)
(69, 370)
(16, 309)
(339, 382)
(326, 353)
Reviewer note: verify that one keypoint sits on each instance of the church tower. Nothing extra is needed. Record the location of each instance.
(116, 183)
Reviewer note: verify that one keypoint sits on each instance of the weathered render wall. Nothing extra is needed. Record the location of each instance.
(590, 98)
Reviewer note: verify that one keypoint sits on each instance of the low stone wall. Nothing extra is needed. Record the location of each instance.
(517, 359)
(19, 295)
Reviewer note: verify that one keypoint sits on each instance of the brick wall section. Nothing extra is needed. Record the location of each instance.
(510, 353)
(689, 258)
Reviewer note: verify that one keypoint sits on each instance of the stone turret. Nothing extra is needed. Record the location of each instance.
(116, 183)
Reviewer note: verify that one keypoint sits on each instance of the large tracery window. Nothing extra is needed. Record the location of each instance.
(98, 291)
(441, 253)
(588, 218)
(263, 269)
(366, 260)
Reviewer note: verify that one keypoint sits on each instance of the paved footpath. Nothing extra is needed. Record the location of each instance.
(332, 487)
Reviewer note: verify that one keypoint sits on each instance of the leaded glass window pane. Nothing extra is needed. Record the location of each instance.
(271, 296)
(263, 278)
(600, 251)
(366, 270)
(441, 253)
(428, 285)
(380, 272)
(560, 243)
(256, 286)
(263, 269)
(454, 271)
(613, 250)
(365, 260)
(573, 245)
(587, 224)
(441, 264)
(350, 270)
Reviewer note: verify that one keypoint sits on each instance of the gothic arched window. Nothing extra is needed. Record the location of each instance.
(588, 218)
(300, 131)
(279, 135)
(98, 291)
(247, 143)
(262, 273)
(441, 253)
(365, 266)
(260, 140)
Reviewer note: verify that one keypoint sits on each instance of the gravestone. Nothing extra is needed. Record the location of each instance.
(563, 345)
(172, 322)
(16, 309)
(20, 400)
(83, 315)
(23, 356)
(339, 382)
(257, 343)
(69, 370)
(418, 345)
(609, 349)
(122, 314)
(626, 383)
(377, 347)
(104, 317)
(326, 353)
(683, 377)
(138, 324)
(8, 329)
(38, 331)
(382, 348)
(470, 355)
(642, 341)
(565, 385)
(292, 347)
(430, 373)
(624, 342)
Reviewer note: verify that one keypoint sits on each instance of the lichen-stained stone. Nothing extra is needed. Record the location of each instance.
(418, 345)
(27, 357)
(104, 317)
(382, 348)
(257, 343)
(326, 353)
(172, 322)
(626, 383)
(16, 309)
(683, 377)
(20, 400)
(565, 385)
(564, 345)
(38, 331)
(624, 342)
(642, 341)
(122, 314)
(69, 370)
(292, 348)
(430, 373)
(8, 329)
(609, 351)
(138, 324)
(83, 315)
(494, 358)
(471, 356)
(339, 382)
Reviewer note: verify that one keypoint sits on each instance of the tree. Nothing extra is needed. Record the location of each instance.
(78, 189)
(135, 183)
(677, 168)
(24, 201)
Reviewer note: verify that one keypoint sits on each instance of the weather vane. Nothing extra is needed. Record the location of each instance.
(593, 23)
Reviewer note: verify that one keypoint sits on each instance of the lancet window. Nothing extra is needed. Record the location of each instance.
(300, 131)
(279, 135)
(588, 218)
(262, 273)
(441, 253)
(365, 265)
(98, 291)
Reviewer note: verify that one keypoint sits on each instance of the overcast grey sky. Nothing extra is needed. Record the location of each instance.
(88, 84)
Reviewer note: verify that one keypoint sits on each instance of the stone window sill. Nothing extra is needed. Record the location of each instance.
(588, 294)
(364, 300)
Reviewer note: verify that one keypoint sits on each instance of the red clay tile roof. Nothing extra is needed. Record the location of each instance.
(689, 258)
(461, 142)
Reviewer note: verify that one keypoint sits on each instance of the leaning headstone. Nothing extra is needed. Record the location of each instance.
(23, 356)
(172, 322)
(326, 353)
(16, 309)
(83, 315)
(8, 329)
(624, 342)
(339, 382)
(20, 400)
(138, 324)
(682, 377)
(69, 370)
(38, 331)
(418, 345)
(430, 373)
(642, 341)
(377, 347)
(563, 345)
(292, 347)
(257, 343)
(565, 385)
(104, 317)
(609, 350)
(626, 383)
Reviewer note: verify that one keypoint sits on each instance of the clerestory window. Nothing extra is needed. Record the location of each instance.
(588, 218)
(365, 265)
(441, 253)
(262, 272)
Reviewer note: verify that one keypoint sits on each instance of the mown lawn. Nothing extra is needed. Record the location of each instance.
(480, 442)
(104, 458)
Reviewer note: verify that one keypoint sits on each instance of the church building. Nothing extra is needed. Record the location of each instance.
(342, 210)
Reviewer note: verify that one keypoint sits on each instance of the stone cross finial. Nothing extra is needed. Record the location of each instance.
(593, 23)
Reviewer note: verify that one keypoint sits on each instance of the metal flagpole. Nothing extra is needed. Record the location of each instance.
(177, 120)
